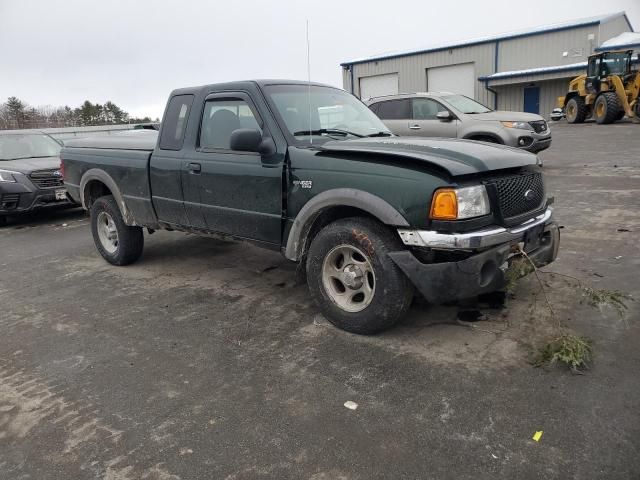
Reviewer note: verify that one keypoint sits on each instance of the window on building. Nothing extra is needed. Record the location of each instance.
(175, 122)
(221, 118)
(395, 109)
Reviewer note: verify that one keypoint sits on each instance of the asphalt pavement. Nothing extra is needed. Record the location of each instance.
(206, 360)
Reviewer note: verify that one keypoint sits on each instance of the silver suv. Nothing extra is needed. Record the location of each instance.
(442, 114)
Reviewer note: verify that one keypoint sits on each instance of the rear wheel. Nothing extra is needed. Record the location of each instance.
(356, 285)
(607, 108)
(576, 110)
(118, 243)
(3, 220)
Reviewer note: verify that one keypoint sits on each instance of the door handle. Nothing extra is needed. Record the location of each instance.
(414, 127)
(194, 167)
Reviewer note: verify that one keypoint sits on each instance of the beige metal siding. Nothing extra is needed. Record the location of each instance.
(547, 50)
(512, 97)
(412, 69)
(613, 28)
(346, 80)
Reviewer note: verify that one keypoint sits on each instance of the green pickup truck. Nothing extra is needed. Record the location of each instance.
(310, 171)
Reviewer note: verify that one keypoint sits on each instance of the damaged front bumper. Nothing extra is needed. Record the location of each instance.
(483, 271)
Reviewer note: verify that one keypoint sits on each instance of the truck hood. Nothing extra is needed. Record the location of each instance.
(28, 165)
(458, 157)
(501, 116)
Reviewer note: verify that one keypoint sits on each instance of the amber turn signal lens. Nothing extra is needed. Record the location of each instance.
(444, 205)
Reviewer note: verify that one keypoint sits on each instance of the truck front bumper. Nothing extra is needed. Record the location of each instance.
(483, 271)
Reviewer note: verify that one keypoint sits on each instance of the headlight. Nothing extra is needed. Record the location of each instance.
(522, 125)
(7, 176)
(459, 203)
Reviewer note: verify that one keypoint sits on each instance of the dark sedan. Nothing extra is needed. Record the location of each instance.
(30, 176)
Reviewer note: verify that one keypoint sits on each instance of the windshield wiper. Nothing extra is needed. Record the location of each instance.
(380, 134)
(320, 131)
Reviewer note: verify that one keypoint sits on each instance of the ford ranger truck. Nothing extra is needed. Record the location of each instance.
(310, 171)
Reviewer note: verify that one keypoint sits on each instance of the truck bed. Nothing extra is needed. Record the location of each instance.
(132, 140)
(125, 159)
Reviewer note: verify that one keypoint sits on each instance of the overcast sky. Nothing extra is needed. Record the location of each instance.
(57, 52)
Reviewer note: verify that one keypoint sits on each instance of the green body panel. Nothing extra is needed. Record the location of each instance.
(406, 188)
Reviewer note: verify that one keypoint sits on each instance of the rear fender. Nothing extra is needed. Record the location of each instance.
(96, 174)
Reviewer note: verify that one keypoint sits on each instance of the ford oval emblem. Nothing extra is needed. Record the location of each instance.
(529, 195)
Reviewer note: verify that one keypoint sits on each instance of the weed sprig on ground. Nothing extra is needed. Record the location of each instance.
(571, 350)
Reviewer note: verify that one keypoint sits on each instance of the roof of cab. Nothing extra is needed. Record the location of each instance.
(245, 83)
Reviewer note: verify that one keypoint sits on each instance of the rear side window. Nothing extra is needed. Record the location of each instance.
(394, 110)
(175, 122)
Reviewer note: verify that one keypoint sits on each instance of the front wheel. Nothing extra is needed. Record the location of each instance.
(352, 279)
(607, 108)
(3, 220)
(118, 243)
(576, 110)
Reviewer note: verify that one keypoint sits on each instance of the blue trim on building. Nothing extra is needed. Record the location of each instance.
(492, 40)
(524, 73)
(627, 46)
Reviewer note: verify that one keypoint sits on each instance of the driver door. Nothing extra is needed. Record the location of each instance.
(229, 191)
(592, 82)
(425, 123)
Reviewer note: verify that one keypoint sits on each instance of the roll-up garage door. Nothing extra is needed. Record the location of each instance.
(378, 86)
(452, 78)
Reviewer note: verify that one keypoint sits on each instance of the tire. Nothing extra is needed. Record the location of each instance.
(363, 244)
(576, 110)
(107, 221)
(606, 108)
(3, 221)
(621, 115)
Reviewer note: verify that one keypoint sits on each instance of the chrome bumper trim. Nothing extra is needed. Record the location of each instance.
(471, 240)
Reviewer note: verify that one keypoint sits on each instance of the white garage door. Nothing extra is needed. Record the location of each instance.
(453, 78)
(378, 85)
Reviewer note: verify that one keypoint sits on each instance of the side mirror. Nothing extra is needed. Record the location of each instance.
(245, 140)
(444, 116)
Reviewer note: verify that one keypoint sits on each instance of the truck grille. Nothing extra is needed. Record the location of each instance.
(46, 178)
(539, 126)
(519, 194)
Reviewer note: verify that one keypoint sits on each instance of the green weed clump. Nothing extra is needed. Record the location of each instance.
(571, 350)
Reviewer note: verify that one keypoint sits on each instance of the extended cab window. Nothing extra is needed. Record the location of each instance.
(175, 122)
(221, 118)
(426, 109)
(395, 110)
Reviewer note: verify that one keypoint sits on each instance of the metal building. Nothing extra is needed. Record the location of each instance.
(522, 71)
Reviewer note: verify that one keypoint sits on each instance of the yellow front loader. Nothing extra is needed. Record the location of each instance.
(609, 90)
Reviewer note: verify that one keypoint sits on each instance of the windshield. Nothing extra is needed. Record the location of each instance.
(465, 104)
(615, 64)
(13, 147)
(334, 113)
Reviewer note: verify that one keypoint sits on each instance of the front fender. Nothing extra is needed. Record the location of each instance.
(347, 197)
(103, 177)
